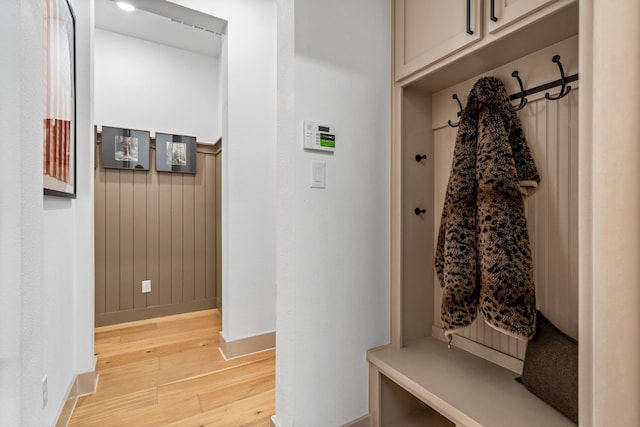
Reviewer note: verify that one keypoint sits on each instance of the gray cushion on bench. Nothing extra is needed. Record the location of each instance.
(551, 368)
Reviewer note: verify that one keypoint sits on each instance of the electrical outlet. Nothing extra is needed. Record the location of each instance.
(146, 286)
(45, 391)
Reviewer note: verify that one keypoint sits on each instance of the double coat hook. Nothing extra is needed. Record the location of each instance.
(523, 99)
(564, 90)
(455, 125)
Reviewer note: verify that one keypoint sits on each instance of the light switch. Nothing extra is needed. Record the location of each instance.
(318, 174)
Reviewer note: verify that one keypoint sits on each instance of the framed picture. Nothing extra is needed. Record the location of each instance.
(59, 121)
(175, 153)
(125, 148)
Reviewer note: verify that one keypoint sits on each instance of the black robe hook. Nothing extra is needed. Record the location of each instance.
(564, 90)
(455, 125)
(523, 100)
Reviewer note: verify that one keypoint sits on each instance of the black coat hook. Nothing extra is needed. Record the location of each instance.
(564, 90)
(420, 157)
(523, 99)
(455, 125)
(419, 211)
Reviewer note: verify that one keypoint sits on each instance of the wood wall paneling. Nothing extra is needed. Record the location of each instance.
(199, 222)
(100, 236)
(177, 223)
(210, 235)
(153, 234)
(126, 240)
(112, 239)
(218, 235)
(139, 238)
(188, 235)
(160, 227)
(164, 238)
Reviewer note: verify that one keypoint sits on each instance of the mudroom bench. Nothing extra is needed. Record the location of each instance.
(427, 384)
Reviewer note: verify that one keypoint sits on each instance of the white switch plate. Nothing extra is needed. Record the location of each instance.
(146, 286)
(318, 174)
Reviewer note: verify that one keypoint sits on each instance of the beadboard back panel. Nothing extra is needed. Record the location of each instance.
(551, 131)
(162, 227)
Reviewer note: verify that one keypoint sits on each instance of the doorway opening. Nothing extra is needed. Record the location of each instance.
(159, 69)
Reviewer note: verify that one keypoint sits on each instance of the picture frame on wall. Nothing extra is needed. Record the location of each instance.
(175, 153)
(125, 148)
(59, 118)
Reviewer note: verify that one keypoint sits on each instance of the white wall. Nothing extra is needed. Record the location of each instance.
(285, 226)
(151, 86)
(47, 243)
(248, 165)
(20, 205)
(333, 249)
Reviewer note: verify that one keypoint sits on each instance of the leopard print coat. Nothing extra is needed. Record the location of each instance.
(483, 256)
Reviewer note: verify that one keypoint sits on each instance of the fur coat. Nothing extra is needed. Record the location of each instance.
(483, 256)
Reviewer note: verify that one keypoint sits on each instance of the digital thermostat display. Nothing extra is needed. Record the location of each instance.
(319, 137)
(327, 140)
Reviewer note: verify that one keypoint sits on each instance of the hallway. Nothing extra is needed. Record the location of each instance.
(168, 371)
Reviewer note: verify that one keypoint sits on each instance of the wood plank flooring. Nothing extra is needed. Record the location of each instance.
(168, 372)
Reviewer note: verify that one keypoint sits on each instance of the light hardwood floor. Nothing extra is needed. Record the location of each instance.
(169, 372)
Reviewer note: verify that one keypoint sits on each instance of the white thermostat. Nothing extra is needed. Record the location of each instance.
(319, 137)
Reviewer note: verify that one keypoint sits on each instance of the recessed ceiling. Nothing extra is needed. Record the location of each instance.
(163, 22)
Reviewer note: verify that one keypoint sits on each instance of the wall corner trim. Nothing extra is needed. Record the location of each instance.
(245, 346)
(82, 384)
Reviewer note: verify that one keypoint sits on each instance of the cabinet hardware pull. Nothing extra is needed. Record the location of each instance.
(469, 17)
(419, 211)
(494, 18)
(420, 157)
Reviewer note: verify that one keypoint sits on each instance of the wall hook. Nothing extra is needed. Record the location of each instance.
(455, 125)
(564, 90)
(523, 99)
(420, 157)
(419, 211)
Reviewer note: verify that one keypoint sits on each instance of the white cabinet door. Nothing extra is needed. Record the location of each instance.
(501, 13)
(429, 30)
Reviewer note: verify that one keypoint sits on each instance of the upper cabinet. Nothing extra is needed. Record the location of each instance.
(502, 13)
(429, 34)
(427, 31)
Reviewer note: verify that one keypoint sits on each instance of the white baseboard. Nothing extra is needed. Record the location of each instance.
(245, 346)
(82, 384)
(363, 421)
(274, 422)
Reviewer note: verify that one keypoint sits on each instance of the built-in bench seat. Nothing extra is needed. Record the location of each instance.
(453, 388)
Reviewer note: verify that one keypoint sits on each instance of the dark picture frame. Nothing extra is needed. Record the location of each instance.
(59, 118)
(175, 153)
(125, 148)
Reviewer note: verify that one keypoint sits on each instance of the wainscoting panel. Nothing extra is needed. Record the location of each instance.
(162, 227)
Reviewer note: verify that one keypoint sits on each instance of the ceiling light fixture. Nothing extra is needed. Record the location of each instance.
(125, 6)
